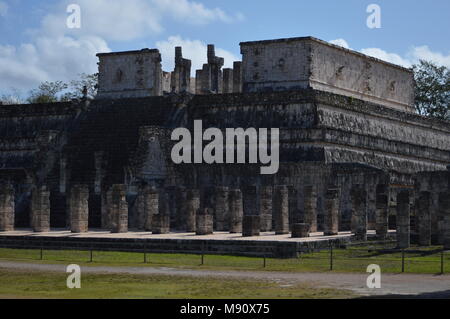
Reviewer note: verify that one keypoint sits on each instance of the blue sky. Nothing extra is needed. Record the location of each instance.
(36, 45)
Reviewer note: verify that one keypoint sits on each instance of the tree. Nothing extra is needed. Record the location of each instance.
(14, 97)
(47, 92)
(76, 87)
(432, 89)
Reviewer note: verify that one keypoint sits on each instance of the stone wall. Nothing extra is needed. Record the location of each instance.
(295, 63)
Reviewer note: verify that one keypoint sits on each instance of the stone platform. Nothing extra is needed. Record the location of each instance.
(267, 244)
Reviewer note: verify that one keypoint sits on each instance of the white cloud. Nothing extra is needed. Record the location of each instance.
(413, 55)
(59, 53)
(340, 42)
(194, 50)
(3, 8)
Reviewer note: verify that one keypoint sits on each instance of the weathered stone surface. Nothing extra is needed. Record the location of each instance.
(359, 212)
(251, 226)
(403, 219)
(281, 209)
(204, 222)
(250, 200)
(300, 230)
(79, 208)
(237, 77)
(331, 220)
(151, 207)
(40, 209)
(382, 211)
(221, 208)
(323, 66)
(106, 209)
(423, 220)
(236, 210)
(129, 74)
(310, 206)
(119, 209)
(227, 81)
(210, 78)
(161, 224)
(190, 209)
(265, 208)
(444, 199)
(6, 207)
(181, 76)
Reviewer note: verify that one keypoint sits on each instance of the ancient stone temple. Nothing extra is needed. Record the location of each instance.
(353, 154)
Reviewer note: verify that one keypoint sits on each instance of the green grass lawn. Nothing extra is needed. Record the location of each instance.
(21, 284)
(427, 261)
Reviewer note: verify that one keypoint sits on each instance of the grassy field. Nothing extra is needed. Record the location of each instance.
(424, 261)
(21, 284)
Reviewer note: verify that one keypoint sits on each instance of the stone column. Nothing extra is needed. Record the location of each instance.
(444, 201)
(227, 81)
(403, 219)
(382, 211)
(331, 218)
(359, 212)
(236, 210)
(281, 210)
(106, 209)
(237, 77)
(310, 200)
(265, 208)
(300, 230)
(119, 209)
(204, 222)
(251, 206)
(79, 208)
(6, 207)
(161, 224)
(181, 75)
(251, 226)
(423, 220)
(40, 209)
(191, 206)
(221, 208)
(151, 200)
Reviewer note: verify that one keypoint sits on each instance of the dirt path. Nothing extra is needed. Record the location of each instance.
(392, 284)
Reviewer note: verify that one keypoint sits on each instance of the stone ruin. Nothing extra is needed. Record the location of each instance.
(353, 154)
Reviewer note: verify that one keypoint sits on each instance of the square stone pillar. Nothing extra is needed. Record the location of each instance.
(227, 81)
(359, 212)
(236, 210)
(119, 209)
(204, 222)
(382, 211)
(161, 224)
(281, 210)
(423, 213)
(331, 218)
(251, 226)
(151, 206)
(403, 219)
(310, 207)
(237, 77)
(6, 207)
(444, 201)
(106, 199)
(250, 200)
(221, 208)
(79, 208)
(191, 205)
(265, 208)
(40, 209)
(300, 230)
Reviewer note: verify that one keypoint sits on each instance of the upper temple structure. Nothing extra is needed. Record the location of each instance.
(354, 155)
